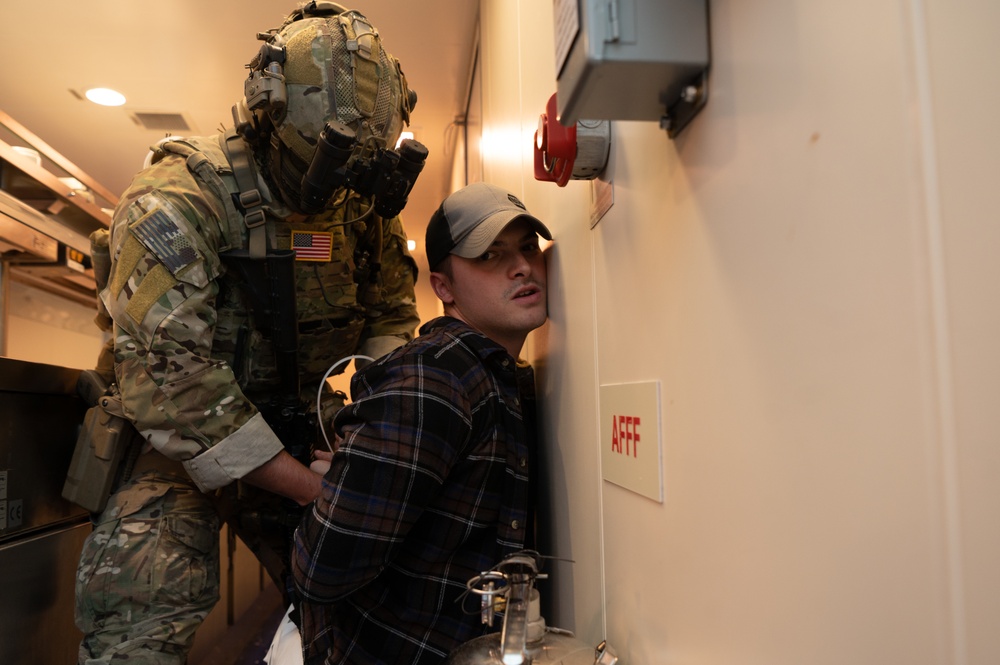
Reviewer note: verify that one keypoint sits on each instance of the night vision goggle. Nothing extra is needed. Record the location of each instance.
(340, 160)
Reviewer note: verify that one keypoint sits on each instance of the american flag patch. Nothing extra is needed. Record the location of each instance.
(161, 236)
(312, 245)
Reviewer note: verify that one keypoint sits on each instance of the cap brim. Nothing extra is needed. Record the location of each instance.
(482, 236)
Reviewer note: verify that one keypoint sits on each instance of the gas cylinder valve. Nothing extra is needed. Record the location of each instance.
(524, 638)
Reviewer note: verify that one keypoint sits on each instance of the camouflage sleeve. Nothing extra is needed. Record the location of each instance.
(161, 295)
(398, 317)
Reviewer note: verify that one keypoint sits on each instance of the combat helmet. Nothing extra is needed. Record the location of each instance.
(324, 66)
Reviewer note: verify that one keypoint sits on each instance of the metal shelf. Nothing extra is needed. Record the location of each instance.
(48, 209)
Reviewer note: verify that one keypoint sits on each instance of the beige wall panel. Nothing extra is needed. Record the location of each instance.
(961, 49)
(808, 271)
(518, 78)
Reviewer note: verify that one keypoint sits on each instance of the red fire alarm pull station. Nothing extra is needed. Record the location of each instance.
(579, 151)
(555, 147)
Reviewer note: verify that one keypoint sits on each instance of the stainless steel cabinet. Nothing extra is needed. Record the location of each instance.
(40, 533)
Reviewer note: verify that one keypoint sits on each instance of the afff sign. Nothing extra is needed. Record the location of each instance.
(630, 437)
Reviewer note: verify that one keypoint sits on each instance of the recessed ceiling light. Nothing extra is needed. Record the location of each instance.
(105, 96)
(411, 245)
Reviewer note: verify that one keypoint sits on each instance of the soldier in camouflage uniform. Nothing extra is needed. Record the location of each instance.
(194, 361)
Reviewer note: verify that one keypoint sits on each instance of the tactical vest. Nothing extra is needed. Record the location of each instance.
(331, 308)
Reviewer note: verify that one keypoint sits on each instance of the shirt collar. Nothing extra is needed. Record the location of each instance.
(482, 345)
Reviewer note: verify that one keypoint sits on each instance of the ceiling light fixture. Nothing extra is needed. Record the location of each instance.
(105, 96)
(411, 245)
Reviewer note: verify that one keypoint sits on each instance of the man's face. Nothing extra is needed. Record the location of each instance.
(502, 292)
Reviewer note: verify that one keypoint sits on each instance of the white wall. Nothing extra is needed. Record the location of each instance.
(808, 271)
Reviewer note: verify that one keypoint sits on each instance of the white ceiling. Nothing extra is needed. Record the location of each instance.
(188, 57)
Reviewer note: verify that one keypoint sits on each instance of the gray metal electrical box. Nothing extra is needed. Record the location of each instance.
(631, 60)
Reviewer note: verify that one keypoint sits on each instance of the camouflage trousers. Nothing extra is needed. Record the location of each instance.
(148, 573)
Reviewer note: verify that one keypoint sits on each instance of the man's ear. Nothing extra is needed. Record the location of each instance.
(442, 287)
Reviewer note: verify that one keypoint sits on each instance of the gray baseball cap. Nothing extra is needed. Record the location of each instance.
(469, 220)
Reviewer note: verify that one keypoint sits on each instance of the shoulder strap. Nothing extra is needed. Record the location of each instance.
(202, 157)
(206, 159)
(238, 154)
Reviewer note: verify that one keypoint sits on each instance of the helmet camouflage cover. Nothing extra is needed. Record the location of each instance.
(335, 68)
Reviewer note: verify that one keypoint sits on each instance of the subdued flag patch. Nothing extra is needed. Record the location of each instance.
(312, 245)
(163, 238)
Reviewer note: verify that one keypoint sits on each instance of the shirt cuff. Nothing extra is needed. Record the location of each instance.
(235, 456)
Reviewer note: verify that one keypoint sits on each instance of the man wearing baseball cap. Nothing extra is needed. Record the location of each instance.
(431, 482)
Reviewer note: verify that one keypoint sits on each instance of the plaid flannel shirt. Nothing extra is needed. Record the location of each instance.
(429, 487)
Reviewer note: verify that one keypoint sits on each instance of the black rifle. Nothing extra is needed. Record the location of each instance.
(270, 285)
